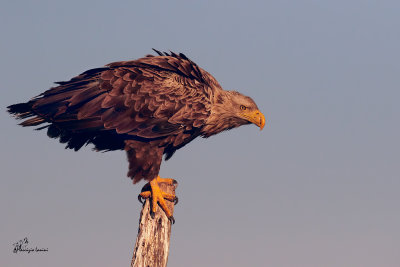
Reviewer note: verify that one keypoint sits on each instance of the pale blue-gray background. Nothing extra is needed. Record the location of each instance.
(318, 187)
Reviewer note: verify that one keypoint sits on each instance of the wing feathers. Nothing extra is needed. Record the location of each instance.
(84, 96)
(92, 107)
(153, 97)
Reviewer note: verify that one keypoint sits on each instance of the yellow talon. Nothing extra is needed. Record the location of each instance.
(158, 196)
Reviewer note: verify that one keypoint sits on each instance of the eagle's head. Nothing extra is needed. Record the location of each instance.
(231, 109)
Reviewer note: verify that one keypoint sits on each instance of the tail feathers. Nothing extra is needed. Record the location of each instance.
(33, 121)
(24, 111)
(21, 110)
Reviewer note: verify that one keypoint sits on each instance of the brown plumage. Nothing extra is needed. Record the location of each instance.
(148, 107)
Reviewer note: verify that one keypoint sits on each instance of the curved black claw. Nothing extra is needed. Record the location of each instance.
(172, 219)
(146, 187)
(176, 200)
(175, 182)
(140, 198)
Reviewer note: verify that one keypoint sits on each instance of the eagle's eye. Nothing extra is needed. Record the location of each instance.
(242, 107)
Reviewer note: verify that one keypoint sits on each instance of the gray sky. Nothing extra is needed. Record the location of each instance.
(319, 186)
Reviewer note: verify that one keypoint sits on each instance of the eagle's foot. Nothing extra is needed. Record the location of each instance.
(153, 191)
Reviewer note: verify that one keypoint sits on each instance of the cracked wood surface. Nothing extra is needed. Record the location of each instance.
(152, 242)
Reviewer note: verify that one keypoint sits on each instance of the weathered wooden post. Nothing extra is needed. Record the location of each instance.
(152, 242)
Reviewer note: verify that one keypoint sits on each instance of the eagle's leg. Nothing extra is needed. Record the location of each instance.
(158, 196)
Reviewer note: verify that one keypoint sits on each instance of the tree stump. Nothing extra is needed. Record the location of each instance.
(152, 242)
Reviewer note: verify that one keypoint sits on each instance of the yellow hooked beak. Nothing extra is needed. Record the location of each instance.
(255, 117)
